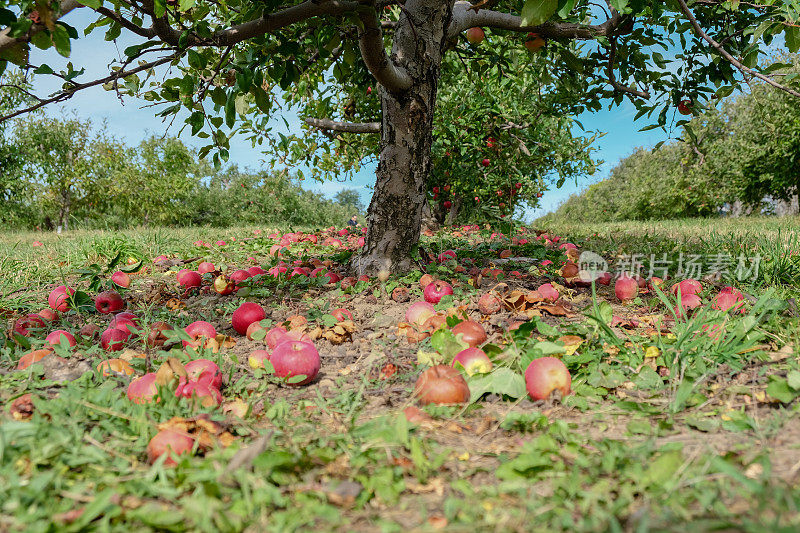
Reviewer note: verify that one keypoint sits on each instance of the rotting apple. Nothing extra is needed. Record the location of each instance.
(257, 357)
(441, 384)
(113, 339)
(121, 279)
(156, 337)
(199, 330)
(418, 312)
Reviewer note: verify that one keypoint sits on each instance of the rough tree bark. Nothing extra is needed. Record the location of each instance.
(395, 212)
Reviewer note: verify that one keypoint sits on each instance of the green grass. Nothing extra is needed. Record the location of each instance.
(663, 432)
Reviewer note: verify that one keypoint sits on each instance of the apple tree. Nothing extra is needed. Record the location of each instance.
(229, 66)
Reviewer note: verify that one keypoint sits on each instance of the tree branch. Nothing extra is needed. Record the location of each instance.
(464, 18)
(125, 23)
(7, 42)
(370, 42)
(69, 93)
(612, 79)
(347, 127)
(732, 60)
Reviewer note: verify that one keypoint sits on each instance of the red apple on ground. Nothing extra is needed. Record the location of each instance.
(257, 358)
(59, 298)
(143, 389)
(545, 375)
(296, 358)
(238, 276)
(27, 324)
(113, 339)
(48, 314)
(489, 304)
(729, 300)
(475, 35)
(199, 330)
(246, 314)
(435, 290)
(108, 302)
(626, 288)
(156, 337)
(548, 292)
(473, 361)
(121, 278)
(204, 370)
(56, 337)
(441, 384)
(32, 357)
(205, 267)
(419, 312)
(170, 442)
(342, 314)
(189, 278)
(222, 285)
(687, 286)
(471, 332)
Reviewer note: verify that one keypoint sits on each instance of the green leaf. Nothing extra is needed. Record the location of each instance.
(793, 379)
(703, 423)
(792, 34)
(536, 12)
(565, 7)
(186, 5)
(779, 389)
(663, 468)
(502, 381)
(549, 348)
(444, 342)
(41, 40)
(619, 5)
(61, 40)
(94, 4)
(7, 17)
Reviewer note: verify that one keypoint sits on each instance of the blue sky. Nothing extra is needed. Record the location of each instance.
(129, 121)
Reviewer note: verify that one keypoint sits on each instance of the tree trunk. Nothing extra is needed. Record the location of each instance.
(395, 212)
(63, 214)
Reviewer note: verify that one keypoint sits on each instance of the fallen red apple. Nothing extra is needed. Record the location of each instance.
(143, 389)
(471, 332)
(55, 338)
(687, 286)
(441, 384)
(489, 304)
(342, 314)
(198, 331)
(121, 279)
(626, 288)
(51, 315)
(419, 312)
(473, 361)
(548, 292)
(205, 267)
(729, 300)
(108, 302)
(296, 358)
(170, 442)
(222, 285)
(59, 298)
(189, 278)
(27, 324)
(246, 314)
(545, 375)
(113, 339)
(257, 357)
(156, 337)
(238, 276)
(204, 370)
(32, 357)
(435, 290)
